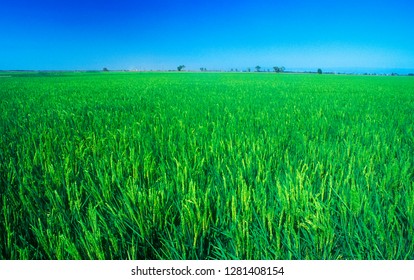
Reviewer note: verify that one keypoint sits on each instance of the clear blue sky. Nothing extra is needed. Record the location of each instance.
(216, 34)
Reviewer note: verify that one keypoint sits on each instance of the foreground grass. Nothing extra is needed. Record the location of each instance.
(206, 166)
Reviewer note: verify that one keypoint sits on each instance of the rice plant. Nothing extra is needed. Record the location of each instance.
(206, 166)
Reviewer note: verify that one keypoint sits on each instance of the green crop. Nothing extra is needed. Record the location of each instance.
(206, 166)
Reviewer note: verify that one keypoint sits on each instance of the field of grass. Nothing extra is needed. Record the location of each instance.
(206, 166)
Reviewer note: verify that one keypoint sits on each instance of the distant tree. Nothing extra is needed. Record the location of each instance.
(257, 68)
(105, 69)
(278, 69)
(248, 69)
(181, 67)
(203, 69)
(319, 71)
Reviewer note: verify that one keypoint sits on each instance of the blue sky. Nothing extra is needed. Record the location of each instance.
(216, 34)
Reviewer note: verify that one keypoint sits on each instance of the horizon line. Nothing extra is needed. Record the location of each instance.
(265, 69)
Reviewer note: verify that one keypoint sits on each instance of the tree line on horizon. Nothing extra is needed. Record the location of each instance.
(276, 69)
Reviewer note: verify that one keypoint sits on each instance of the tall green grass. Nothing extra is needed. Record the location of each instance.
(206, 166)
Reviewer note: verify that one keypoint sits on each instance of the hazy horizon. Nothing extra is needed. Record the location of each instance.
(337, 70)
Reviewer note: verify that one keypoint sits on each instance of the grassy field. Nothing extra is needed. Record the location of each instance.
(206, 166)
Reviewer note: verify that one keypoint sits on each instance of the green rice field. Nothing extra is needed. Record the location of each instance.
(221, 166)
